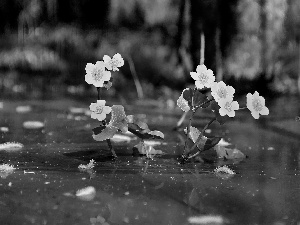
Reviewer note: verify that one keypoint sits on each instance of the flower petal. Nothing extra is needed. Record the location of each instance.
(264, 111)
(89, 79)
(199, 85)
(194, 75)
(255, 114)
(106, 59)
(106, 76)
(89, 68)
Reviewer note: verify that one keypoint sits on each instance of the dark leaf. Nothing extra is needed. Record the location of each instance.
(211, 142)
(188, 94)
(199, 99)
(98, 130)
(145, 134)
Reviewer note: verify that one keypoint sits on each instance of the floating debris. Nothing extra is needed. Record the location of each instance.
(23, 109)
(224, 169)
(1, 105)
(89, 166)
(86, 194)
(270, 148)
(297, 118)
(207, 219)
(4, 129)
(6, 170)
(11, 146)
(33, 125)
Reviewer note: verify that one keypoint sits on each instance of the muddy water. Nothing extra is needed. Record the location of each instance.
(135, 190)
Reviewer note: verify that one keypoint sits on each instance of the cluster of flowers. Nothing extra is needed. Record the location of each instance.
(223, 95)
(99, 75)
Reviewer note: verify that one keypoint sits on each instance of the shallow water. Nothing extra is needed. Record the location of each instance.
(135, 190)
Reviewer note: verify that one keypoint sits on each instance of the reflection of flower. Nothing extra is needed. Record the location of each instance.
(96, 74)
(256, 104)
(113, 63)
(182, 103)
(203, 77)
(99, 110)
(228, 107)
(220, 91)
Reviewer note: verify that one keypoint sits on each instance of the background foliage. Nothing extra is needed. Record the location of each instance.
(253, 44)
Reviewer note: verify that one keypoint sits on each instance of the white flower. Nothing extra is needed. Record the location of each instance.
(182, 103)
(256, 104)
(99, 110)
(204, 77)
(96, 74)
(113, 63)
(220, 91)
(228, 107)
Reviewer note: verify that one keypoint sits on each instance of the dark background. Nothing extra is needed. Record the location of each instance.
(250, 44)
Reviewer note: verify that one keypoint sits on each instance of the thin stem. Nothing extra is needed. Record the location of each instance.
(187, 134)
(99, 92)
(104, 123)
(201, 134)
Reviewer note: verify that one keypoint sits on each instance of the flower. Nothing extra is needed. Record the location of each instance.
(99, 110)
(204, 77)
(182, 103)
(113, 63)
(96, 74)
(220, 91)
(256, 104)
(228, 107)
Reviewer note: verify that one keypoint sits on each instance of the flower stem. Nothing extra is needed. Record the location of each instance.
(104, 123)
(187, 135)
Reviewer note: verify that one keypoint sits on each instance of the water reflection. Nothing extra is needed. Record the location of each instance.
(136, 190)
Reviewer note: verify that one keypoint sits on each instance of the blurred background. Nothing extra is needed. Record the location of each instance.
(249, 44)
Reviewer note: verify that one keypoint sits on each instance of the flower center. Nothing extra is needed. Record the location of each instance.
(203, 78)
(257, 105)
(228, 106)
(98, 74)
(99, 109)
(222, 93)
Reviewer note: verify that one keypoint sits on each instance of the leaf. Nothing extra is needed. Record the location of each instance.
(194, 135)
(137, 121)
(229, 153)
(215, 108)
(145, 134)
(118, 118)
(98, 130)
(183, 104)
(141, 129)
(199, 99)
(106, 133)
(188, 94)
(211, 142)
